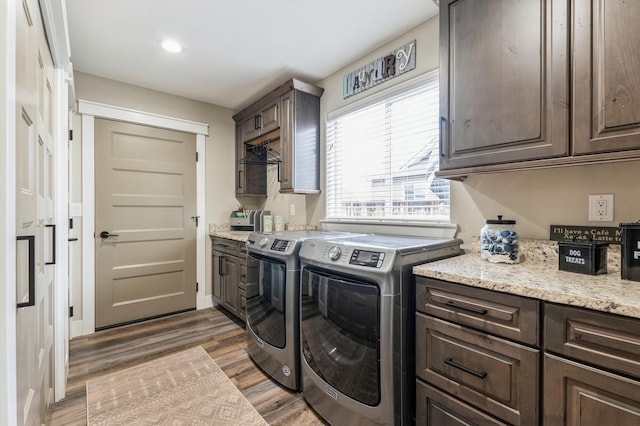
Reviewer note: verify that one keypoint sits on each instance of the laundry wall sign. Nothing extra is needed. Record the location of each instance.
(385, 68)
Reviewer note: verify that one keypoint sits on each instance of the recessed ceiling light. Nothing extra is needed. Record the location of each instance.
(171, 46)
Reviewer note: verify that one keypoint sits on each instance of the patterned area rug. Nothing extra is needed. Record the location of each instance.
(185, 388)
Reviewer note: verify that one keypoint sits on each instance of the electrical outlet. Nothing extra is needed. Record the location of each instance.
(601, 208)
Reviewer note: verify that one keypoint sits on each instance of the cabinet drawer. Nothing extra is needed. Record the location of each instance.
(493, 374)
(225, 245)
(434, 407)
(504, 315)
(606, 340)
(576, 394)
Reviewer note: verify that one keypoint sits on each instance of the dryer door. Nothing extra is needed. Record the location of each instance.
(266, 283)
(340, 323)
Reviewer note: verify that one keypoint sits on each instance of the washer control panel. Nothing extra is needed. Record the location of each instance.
(280, 245)
(371, 259)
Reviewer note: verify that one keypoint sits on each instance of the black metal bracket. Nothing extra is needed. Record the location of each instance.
(451, 362)
(454, 305)
(32, 270)
(53, 245)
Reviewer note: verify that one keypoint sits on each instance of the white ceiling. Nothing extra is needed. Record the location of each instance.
(233, 51)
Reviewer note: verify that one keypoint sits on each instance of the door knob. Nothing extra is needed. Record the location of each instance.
(106, 234)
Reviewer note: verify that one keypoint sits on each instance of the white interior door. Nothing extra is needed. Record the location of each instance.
(35, 221)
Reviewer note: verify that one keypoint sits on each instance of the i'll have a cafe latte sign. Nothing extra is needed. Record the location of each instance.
(385, 68)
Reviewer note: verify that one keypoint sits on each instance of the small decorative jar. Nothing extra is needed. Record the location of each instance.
(499, 241)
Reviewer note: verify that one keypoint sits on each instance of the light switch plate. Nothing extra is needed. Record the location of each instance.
(76, 210)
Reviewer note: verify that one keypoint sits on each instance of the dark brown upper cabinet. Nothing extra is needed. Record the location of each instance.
(606, 76)
(503, 81)
(282, 129)
(537, 84)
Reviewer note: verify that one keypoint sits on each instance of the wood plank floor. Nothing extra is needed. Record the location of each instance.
(220, 334)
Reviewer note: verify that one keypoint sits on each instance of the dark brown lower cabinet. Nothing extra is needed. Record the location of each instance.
(229, 270)
(494, 374)
(477, 356)
(480, 361)
(435, 407)
(577, 394)
(229, 273)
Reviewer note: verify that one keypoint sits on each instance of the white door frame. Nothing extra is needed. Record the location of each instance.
(91, 110)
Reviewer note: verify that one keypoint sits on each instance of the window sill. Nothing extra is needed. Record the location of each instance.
(387, 226)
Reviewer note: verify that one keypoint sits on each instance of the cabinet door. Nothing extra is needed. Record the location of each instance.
(250, 127)
(242, 284)
(269, 117)
(606, 88)
(576, 394)
(262, 121)
(240, 167)
(503, 81)
(286, 142)
(300, 143)
(251, 172)
(230, 284)
(216, 273)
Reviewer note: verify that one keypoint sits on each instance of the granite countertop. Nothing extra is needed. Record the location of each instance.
(232, 235)
(223, 231)
(538, 277)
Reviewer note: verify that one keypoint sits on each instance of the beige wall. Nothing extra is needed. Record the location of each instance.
(539, 198)
(536, 199)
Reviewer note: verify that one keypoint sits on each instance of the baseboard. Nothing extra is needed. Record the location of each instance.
(207, 303)
(76, 328)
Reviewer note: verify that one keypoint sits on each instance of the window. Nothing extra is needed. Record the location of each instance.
(382, 153)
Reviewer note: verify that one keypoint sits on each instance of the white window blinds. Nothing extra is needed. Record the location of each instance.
(382, 155)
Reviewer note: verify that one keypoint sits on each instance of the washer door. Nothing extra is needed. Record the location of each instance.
(340, 323)
(266, 299)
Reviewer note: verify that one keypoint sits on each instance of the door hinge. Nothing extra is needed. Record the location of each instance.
(70, 223)
(70, 135)
(70, 311)
(197, 287)
(196, 219)
(196, 156)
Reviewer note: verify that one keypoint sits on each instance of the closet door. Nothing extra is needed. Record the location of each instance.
(35, 221)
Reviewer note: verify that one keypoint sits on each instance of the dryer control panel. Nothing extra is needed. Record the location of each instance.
(372, 259)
